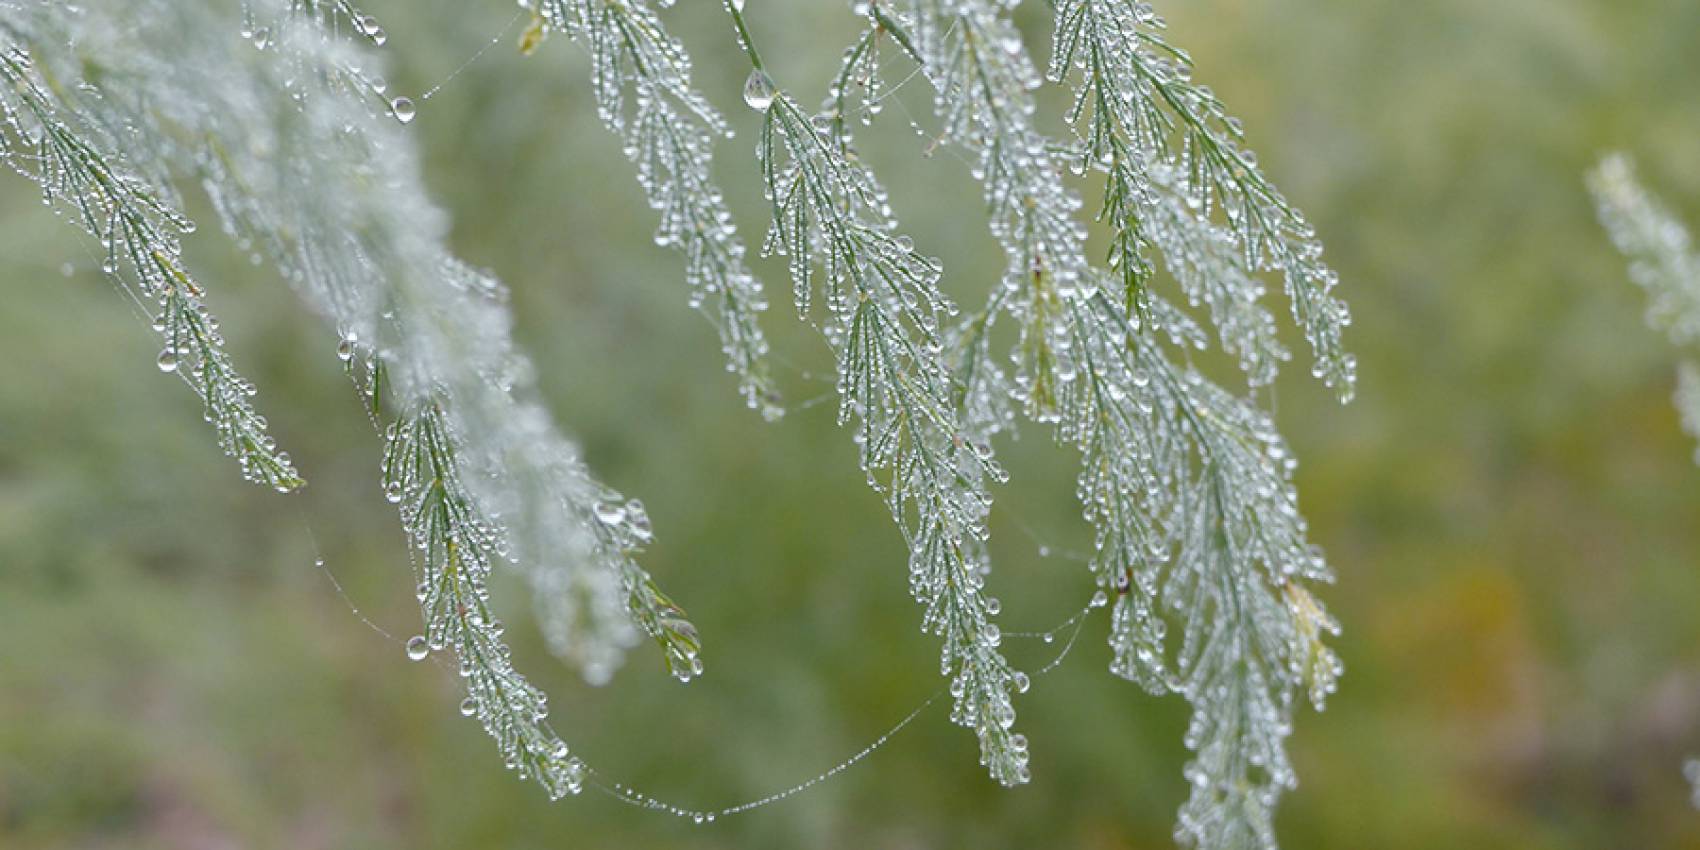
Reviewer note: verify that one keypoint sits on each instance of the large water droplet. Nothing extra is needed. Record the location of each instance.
(609, 513)
(417, 648)
(759, 90)
(403, 109)
(468, 707)
(168, 361)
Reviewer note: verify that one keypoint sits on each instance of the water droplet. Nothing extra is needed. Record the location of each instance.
(417, 648)
(468, 707)
(167, 360)
(403, 109)
(638, 518)
(759, 90)
(345, 349)
(609, 513)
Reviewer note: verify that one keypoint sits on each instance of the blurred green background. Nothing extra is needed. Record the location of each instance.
(1510, 504)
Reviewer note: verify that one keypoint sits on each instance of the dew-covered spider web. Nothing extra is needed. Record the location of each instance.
(602, 780)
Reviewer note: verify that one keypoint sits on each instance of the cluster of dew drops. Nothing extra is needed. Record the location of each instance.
(401, 107)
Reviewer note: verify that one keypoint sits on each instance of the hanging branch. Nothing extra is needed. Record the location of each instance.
(1663, 262)
(883, 314)
(1188, 486)
(465, 448)
(642, 82)
(70, 155)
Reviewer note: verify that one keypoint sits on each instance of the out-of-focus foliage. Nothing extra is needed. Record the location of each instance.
(1662, 260)
(1507, 502)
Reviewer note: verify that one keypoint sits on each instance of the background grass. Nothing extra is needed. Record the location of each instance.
(1510, 503)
